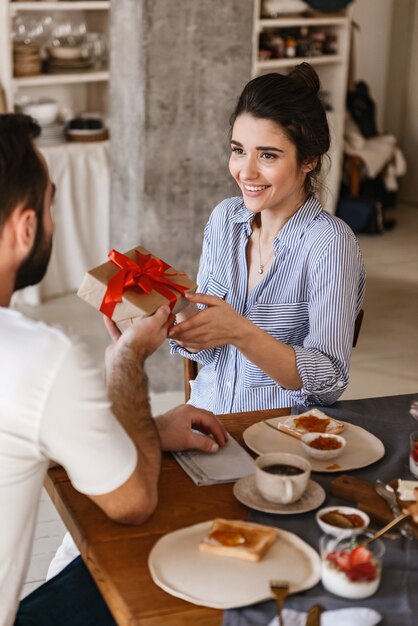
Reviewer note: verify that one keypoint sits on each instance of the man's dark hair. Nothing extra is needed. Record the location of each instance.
(22, 176)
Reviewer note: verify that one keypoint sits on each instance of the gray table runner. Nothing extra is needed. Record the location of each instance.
(397, 598)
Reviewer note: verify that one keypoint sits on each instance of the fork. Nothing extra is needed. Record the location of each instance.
(313, 617)
(280, 590)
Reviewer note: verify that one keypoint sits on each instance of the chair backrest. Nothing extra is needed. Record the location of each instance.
(191, 367)
(357, 326)
(190, 373)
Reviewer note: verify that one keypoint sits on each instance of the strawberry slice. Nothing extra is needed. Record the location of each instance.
(341, 558)
(360, 555)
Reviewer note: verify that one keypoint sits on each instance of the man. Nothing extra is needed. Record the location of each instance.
(53, 405)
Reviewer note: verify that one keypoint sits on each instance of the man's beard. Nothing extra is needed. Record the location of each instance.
(33, 269)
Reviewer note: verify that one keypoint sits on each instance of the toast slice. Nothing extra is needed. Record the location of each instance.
(241, 540)
(313, 421)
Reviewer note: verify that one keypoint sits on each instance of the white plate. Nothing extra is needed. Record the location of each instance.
(246, 492)
(87, 132)
(362, 447)
(221, 582)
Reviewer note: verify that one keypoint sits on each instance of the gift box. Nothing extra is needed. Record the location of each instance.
(133, 285)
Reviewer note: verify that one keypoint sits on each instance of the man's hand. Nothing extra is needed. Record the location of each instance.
(143, 337)
(176, 430)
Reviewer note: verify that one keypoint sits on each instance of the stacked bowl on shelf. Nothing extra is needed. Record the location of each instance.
(26, 59)
(66, 57)
(45, 111)
(86, 128)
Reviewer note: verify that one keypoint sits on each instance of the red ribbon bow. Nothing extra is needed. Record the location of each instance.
(146, 274)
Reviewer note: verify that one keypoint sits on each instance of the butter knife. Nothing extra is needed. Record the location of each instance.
(313, 617)
(282, 429)
(387, 493)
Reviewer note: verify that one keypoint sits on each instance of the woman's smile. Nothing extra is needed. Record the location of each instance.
(254, 189)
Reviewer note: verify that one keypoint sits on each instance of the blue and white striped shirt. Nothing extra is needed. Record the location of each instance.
(309, 299)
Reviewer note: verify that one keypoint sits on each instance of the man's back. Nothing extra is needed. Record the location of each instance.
(52, 406)
(30, 355)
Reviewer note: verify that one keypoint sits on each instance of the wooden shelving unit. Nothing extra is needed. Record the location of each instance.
(333, 73)
(83, 90)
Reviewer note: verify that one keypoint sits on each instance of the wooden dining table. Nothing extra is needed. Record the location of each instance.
(117, 555)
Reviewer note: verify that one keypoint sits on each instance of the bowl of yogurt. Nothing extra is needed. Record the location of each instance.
(348, 568)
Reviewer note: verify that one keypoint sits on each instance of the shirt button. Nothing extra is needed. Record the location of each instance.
(228, 384)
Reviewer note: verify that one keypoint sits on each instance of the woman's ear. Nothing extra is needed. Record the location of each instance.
(309, 166)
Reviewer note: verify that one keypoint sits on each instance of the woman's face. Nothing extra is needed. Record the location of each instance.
(263, 163)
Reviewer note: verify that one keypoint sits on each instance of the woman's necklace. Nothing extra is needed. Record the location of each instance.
(262, 265)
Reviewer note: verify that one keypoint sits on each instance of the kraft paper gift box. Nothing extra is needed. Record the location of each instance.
(133, 285)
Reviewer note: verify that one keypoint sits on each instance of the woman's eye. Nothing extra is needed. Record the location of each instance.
(268, 156)
(237, 150)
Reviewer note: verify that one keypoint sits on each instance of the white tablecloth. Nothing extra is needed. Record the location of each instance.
(80, 172)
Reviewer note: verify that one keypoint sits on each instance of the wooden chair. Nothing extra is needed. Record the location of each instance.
(355, 164)
(190, 368)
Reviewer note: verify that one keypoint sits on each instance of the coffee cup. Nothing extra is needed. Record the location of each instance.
(280, 477)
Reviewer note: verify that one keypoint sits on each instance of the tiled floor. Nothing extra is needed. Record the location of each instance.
(385, 362)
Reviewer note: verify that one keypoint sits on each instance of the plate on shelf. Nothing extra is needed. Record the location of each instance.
(87, 134)
(362, 447)
(221, 582)
(246, 492)
(67, 65)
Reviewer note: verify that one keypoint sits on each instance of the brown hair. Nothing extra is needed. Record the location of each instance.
(292, 102)
(22, 175)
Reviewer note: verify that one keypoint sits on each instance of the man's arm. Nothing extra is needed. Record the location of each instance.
(135, 500)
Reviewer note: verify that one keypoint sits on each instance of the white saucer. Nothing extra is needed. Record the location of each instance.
(246, 492)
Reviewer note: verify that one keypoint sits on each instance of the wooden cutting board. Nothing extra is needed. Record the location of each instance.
(364, 495)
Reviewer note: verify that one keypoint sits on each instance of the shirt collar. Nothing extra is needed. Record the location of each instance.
(298, 223)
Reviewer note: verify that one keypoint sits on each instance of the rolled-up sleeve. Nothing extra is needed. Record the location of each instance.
(336, 291)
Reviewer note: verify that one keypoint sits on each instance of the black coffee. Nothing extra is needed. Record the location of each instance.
(283, 470)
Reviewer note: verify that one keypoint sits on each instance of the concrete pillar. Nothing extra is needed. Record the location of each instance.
(177, 69)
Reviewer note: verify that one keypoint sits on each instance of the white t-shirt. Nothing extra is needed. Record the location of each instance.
(53, 406)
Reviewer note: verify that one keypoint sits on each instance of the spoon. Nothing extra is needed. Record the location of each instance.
(388, 494)
(384, 530)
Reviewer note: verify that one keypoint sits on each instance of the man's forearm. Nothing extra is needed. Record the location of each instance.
(128, 393)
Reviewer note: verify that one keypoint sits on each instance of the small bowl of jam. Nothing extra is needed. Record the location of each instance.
(323, 446)
(342, 521)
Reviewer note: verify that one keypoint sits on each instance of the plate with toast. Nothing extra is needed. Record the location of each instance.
(283, 434)
(226, 564)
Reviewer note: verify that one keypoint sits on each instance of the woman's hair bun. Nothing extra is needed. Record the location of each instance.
(305, 73)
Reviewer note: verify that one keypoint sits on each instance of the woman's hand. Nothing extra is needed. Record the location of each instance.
(217, 325)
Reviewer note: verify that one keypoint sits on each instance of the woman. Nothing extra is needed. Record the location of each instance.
(280, 280)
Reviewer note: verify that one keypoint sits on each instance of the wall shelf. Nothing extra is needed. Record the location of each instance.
(286, 22)
(98, 5)
(61, 79)
(289, 63)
